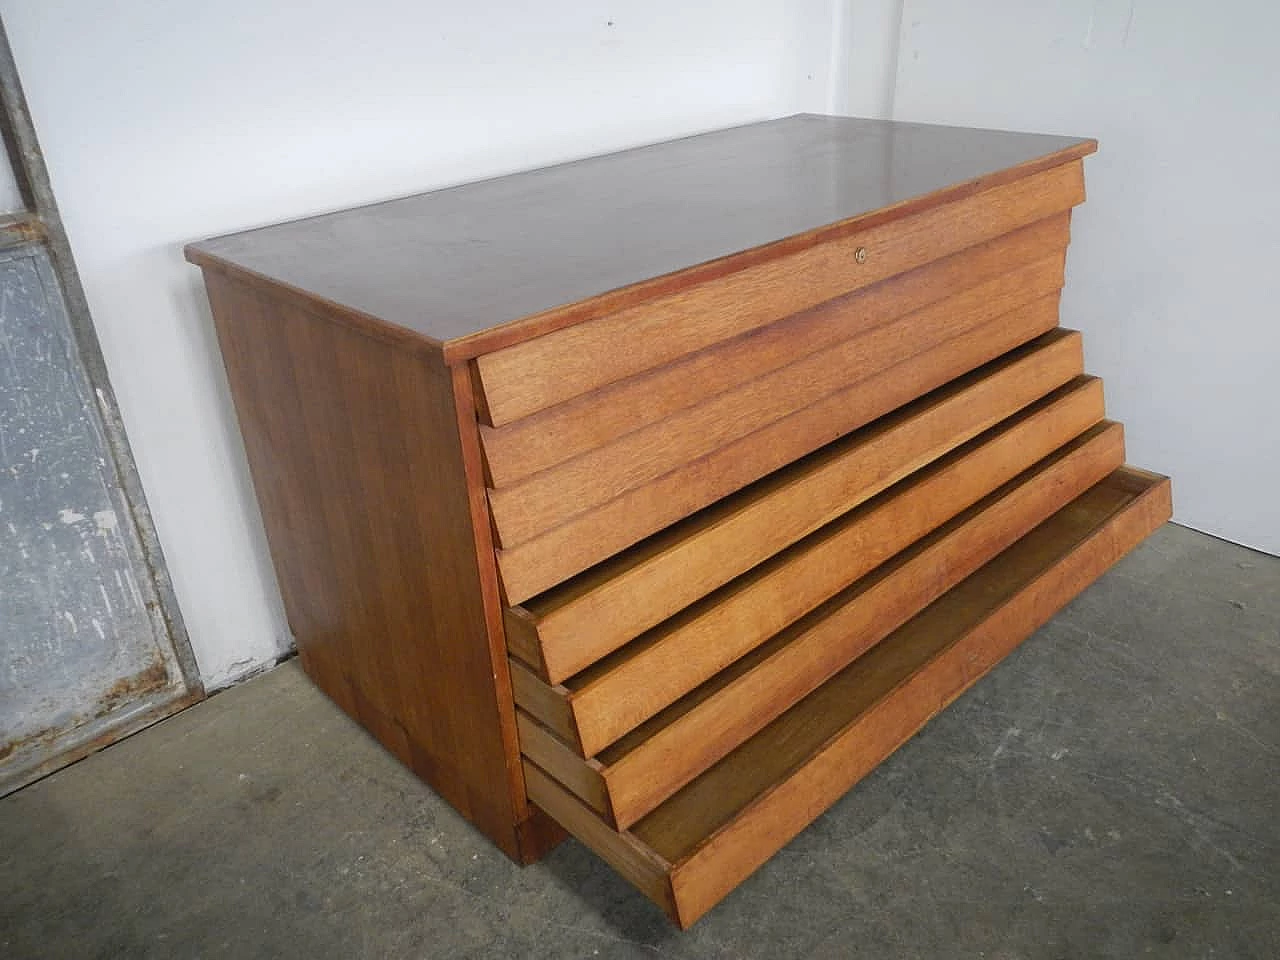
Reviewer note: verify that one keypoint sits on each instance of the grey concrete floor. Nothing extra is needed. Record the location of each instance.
(1111, 790)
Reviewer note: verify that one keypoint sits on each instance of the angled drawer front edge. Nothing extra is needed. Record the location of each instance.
(694, 849)
(668, 543)
(628, 478)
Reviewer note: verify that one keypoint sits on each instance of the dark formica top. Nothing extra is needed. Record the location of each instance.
(454, 264)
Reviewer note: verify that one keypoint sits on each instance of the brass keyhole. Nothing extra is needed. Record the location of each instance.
(860, 255)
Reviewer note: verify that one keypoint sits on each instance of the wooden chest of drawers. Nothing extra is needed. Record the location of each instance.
(660, 496)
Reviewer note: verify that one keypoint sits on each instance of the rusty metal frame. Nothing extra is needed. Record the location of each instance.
(41, 223)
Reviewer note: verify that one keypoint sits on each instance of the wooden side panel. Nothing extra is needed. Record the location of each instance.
(557, 758)
(523, 640)
(566, 430)
(362, 476)
(522, 379)
(536, 833)
(548, 702)
(591, 537)
(634, 861)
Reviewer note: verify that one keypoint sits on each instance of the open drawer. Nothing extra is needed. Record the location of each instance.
(628, 778)
(565, 630)
(696, 846)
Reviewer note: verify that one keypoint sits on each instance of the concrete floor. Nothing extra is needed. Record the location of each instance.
(1111, 790)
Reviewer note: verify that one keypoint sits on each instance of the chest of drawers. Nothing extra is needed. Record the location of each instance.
(658, 497)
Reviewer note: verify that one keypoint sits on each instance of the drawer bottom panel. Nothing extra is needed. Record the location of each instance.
(694, 848)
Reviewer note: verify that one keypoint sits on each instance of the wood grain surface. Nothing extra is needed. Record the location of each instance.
(589, 538)
(473, 267)
(935, 659)
(567, 629)
(694, 849)
(544, 501)
(533, 375)
(636, 862)
(635, 774)
(371, 509)
(624, 689)
(566, 430)
(659, 496)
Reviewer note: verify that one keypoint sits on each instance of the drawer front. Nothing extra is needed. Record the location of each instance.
(632, 776)
(550, 498)
(565, 630)
(590, 537)
(567, 430)
(691, 850)
(622, 691)
(520, 380)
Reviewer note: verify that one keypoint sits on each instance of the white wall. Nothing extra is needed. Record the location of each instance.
(167, 122)
(864, 68)
(1174, 273)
